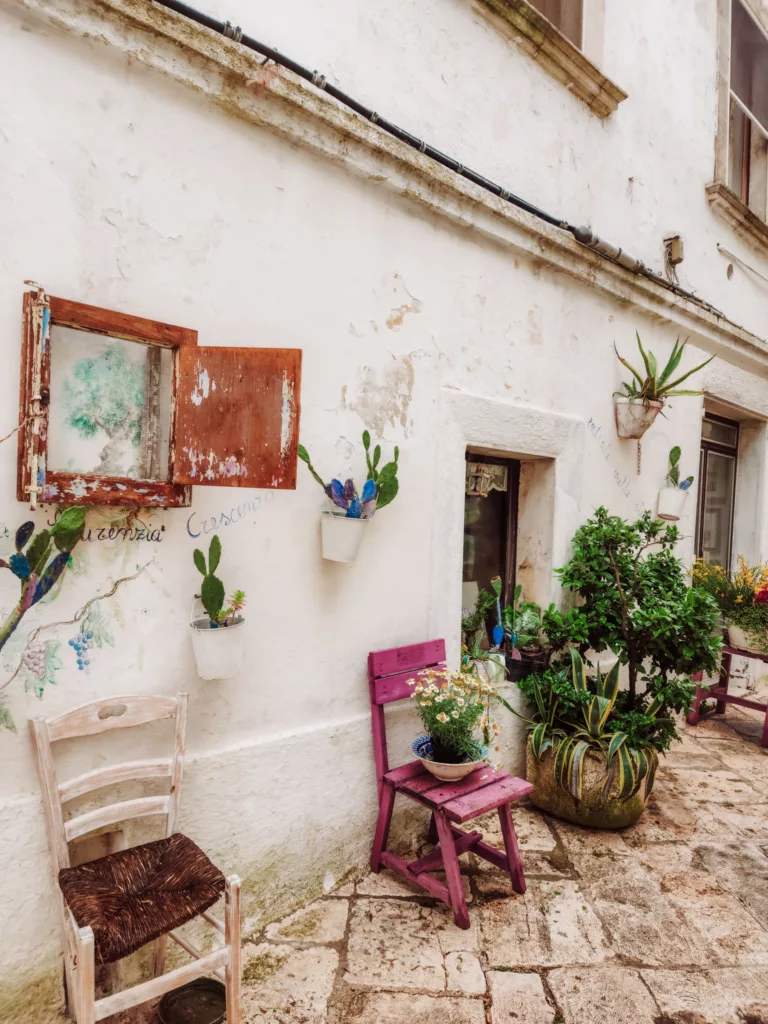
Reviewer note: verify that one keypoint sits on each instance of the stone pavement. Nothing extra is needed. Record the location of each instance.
(664, 923)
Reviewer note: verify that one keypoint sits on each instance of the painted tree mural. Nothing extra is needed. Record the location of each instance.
(107, 394)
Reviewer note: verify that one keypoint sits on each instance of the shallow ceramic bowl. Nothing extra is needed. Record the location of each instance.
(422, 748)
(200, 1002)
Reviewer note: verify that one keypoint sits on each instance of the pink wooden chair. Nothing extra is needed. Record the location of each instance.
(451, 803)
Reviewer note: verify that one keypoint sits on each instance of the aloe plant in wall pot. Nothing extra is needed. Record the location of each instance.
(344, 526)
(218, 637)
(640, 401)
(672, 498)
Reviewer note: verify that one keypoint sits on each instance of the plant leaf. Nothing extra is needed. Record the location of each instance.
(538, 735)
(38, 551)
(355, 509)
(69, 520)
(376, 455)
(387, 491)
(576, 769)
(674, 455)
(685, 376)
(214, 554)
(212, 595)
(20, 565)
(23, 534)
(369, 490)
(6, 721)
(303, 454)
(673, 363)
(577, 665)
(199, 560)
(646, 360)
(337, 493)
(53, 570)
(618, 739)
(631, 368)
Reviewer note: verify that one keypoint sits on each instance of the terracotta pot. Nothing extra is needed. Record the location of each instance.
(634, 418)
(591, 812)
(738, 638)
(671, 503)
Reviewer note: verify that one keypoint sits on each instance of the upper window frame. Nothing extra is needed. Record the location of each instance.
(750, 225)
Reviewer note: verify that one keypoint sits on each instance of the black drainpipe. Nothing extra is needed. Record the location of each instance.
(584, 235)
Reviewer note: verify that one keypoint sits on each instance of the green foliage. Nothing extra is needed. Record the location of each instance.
(521, 621)
(212, 592)
(742, 596)
(106, 393)
(386, 481)
(652, 386)
(637, 602)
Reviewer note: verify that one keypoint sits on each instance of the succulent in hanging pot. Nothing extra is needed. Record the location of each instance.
(343, 526)
(640, 401)
(672, 497)
(217, 639)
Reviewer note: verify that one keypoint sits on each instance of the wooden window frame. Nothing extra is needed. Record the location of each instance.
(245, 434)
(718, 448)
(513, 497)
(743, 212)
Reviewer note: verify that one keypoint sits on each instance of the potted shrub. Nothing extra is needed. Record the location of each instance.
(642, 399)
(343, 527)
(672, 498)
(523, 641)
(589, 762)
(742, 598)
(218, 638)
(455, 709)
(638, 606)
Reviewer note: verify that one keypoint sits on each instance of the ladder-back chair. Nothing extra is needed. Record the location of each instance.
(451, 803)
(112, 906)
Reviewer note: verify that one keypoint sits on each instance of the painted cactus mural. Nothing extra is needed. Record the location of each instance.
(39, 562)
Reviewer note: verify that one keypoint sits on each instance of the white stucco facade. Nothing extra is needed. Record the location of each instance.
(151, 167)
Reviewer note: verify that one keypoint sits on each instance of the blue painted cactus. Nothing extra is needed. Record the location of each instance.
(380, 487)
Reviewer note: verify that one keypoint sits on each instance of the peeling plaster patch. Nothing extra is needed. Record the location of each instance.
(79, 487)
(397, 315)
(288, 414)
(203, 388)
(385, 403)
(211, 467)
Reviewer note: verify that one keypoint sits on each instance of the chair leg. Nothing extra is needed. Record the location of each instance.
(693, 716)
(85, 977)
(452, 872)
(432, 833)
(386, 805)
(512, 850)
(232, 939)
(161, 945)
(764, 740)
(725, 678)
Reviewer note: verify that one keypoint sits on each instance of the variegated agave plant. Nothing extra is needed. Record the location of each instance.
(628, 765)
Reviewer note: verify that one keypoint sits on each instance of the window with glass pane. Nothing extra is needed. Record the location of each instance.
(748, 134)
(717, 483)
(490, 526)
(565, 15)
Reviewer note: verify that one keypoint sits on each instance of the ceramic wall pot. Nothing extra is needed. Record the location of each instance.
(218, 651)
(342, 536)
(634, 418)
(591, 812)
(671, 503)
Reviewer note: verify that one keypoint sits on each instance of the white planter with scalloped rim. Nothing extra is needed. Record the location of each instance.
(341, 536)
(634, 418)
(671, 503)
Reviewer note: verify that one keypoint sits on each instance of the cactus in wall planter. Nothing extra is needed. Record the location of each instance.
(218, 654)
(343, 527)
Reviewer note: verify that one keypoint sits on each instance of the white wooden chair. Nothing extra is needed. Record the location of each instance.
(105, 878)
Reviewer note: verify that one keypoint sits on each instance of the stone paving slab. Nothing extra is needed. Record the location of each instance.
(662, 923)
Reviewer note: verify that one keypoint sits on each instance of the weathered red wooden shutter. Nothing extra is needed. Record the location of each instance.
(237, 416)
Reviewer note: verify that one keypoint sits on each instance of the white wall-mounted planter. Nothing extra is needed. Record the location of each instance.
(218, 651)
(671, 503)
(341, 536)
(634, 418)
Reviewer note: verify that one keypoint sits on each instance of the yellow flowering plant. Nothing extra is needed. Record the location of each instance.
(455, 708)
(742, 596)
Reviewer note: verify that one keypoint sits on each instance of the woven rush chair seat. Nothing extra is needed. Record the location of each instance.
(132, 897)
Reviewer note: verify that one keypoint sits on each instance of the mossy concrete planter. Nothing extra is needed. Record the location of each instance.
(590, 812)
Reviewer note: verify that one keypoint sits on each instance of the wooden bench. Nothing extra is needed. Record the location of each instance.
(721, 694)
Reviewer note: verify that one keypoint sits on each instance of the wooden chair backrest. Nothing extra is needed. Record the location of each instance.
(388, 675)
(89, 720)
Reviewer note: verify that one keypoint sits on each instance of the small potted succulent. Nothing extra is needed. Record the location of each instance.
(455, 709)
(642, 399)
(672, 497)
(218, 637)
(344, 526)
(522, 635)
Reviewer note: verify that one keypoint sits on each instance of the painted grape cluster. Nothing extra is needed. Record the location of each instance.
(82, 644)
(34, 658)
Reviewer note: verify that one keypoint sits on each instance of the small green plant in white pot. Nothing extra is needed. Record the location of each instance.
(344, 526)
(218, 637)
(673, 496)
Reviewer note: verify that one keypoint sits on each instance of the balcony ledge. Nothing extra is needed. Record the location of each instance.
(747, 225)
